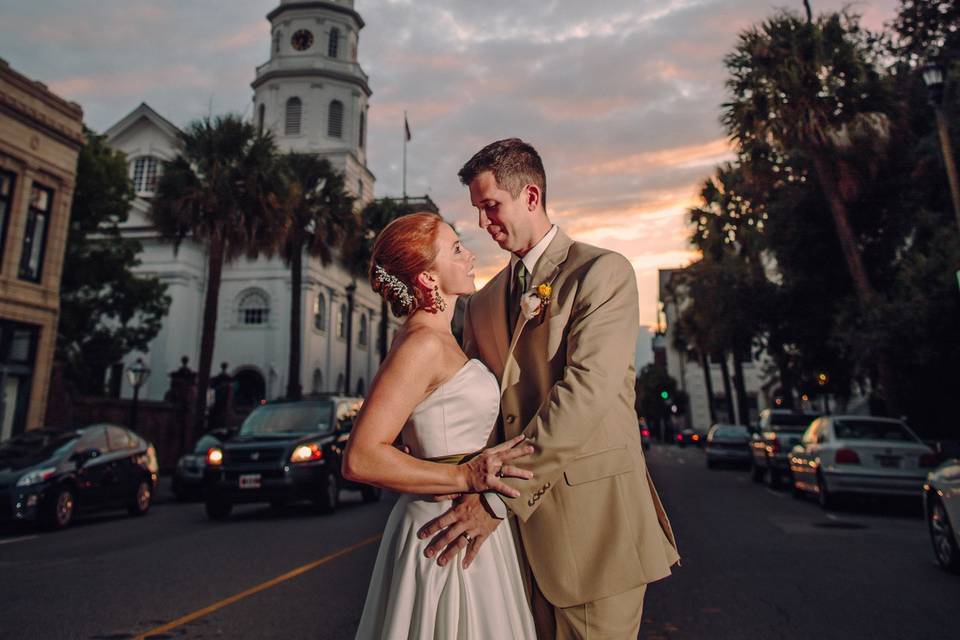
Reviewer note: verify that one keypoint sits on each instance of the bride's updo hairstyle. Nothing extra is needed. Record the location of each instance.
(404, 249)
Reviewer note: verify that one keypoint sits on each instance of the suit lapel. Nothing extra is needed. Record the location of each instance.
(546, 272)
(494, 310)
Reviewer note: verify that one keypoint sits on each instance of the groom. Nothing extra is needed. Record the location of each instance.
(558, 326)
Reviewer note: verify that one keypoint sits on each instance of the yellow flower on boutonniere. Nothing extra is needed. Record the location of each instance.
(533, 302)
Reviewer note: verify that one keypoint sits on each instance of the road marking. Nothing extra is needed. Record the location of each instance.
(20, 539)
(190, 617)
(776, 493)
(831, 516)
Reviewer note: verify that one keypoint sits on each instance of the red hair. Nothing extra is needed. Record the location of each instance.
(405, 248)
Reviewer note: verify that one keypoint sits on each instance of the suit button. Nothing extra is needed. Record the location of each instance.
(511, 419)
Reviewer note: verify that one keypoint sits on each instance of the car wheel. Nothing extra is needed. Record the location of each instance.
(756, 473)
(771, 476)
(370, 494)
(329, 496)
(141, 500)
(826, 499)
(795, 490)
(218, 508)
(60, 509)
(942, 537)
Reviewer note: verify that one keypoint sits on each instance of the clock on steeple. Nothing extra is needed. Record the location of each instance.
(301, 40)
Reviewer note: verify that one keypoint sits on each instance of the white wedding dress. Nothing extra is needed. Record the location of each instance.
(410, 596)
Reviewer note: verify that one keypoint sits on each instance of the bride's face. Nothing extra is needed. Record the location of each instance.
(453, 267)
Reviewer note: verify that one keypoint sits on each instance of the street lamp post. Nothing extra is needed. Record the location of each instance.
(137, 375)
(933, 77)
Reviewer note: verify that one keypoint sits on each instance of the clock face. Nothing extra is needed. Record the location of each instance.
(301, 40)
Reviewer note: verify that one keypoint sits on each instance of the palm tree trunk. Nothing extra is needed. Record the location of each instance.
(741, 390)
(727, 387)
(208, 332)
(384, 323)
(294, 389)
(708, 381)
(858, 273)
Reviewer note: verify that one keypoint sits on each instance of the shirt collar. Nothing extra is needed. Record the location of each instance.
(533, 256)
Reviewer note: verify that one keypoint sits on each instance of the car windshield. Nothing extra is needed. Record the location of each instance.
(731, 431)
(872, 430)
(37, 444)
(294, 417)
(790, 421)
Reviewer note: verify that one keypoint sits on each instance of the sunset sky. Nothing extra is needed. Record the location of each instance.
(622, 98)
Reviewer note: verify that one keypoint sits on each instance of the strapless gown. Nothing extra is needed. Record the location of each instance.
(410, 596)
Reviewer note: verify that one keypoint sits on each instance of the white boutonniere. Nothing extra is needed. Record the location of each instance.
(535, 301)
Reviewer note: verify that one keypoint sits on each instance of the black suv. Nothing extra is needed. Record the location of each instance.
(778, 430)
(284, 451)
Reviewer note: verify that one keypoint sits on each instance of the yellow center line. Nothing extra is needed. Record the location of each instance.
(190, 617)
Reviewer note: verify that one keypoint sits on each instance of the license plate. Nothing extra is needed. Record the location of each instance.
(889, 461)
(250, 481)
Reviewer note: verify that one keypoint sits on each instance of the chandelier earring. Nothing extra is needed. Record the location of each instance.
(438, 302)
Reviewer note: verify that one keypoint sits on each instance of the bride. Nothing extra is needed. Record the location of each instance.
(444, 407)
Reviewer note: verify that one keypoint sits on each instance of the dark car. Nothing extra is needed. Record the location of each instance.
(187, 481)
(645, 436)
(47, 476)
(727, 444)
(689, 436)
(778, 431)
(284, 451)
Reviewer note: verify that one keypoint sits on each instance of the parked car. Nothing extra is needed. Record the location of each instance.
(47, 476)
(284, 451)
(843, 455)
(727, 443)
(778, 430)
(941, 504)
(187, 481)
(689, 436)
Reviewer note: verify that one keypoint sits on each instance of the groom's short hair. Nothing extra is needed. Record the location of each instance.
(514, 164)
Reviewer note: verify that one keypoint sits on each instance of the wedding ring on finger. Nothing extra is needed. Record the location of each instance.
(468, 537)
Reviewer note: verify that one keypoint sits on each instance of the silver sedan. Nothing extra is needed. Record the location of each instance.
(941, 501)
(842, 455)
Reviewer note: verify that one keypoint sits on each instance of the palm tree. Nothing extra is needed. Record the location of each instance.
(358, 248)
(319, 215)
(219, 190)
(811, 87)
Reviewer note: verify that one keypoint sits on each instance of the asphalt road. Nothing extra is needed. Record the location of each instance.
(756, 564)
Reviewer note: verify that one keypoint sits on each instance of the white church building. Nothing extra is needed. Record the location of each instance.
(313, 96)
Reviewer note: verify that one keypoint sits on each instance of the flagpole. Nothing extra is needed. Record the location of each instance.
(404, 133)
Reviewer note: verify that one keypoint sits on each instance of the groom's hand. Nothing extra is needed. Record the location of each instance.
(467, 515)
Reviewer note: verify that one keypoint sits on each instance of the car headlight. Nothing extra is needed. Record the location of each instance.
(308, 452)
(36, 477)
(215, 456)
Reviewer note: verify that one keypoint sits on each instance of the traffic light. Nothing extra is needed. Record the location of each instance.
(665, 395)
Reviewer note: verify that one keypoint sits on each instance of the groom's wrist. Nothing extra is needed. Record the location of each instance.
(494, 504)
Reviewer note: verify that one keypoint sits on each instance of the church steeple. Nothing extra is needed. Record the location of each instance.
(312, 94)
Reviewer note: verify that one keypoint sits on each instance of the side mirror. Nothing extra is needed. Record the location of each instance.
(798, 448)
(85, 456)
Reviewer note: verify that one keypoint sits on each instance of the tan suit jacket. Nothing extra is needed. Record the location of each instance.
(590, 521)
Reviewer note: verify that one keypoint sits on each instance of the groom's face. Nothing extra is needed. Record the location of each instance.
(505, 218)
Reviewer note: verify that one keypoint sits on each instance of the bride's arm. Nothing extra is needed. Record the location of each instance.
(406, 377)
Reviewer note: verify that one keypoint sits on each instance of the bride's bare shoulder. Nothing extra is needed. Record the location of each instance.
(418, 348)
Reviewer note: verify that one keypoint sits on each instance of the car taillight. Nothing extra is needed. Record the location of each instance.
(214, 456)
(846, 456)
(773, 445)
(645, 432)
(679, 437)
(695, 437)
(928, 460)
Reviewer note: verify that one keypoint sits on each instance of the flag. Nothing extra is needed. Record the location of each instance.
(406, 127)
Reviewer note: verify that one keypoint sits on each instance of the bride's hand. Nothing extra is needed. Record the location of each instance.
(484, 472)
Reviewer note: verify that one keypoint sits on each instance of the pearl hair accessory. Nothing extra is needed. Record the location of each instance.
(395, 286)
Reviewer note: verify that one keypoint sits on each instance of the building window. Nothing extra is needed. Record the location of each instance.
(362, 337)
(35, 236)
(261, 114)
(333, 44)
(335, 120)
(363, 122)
(320, 312)
(294, 111)
(7, 180)
(276, 42)
(145, 174)
(361, 387)
(317, 380)
(342, 321)
(254, 308)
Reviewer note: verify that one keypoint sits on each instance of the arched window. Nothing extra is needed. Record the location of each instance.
(333, 44)
(294, 111)
(249, 388)
(261, 114)
(360, 387)
(276, 42)
(335, 119)
(362, 337)
(320, 312)
(363, 122)
(340, 383)
(342, 321)
(317, 381)
(145, 174)
(254, 308)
